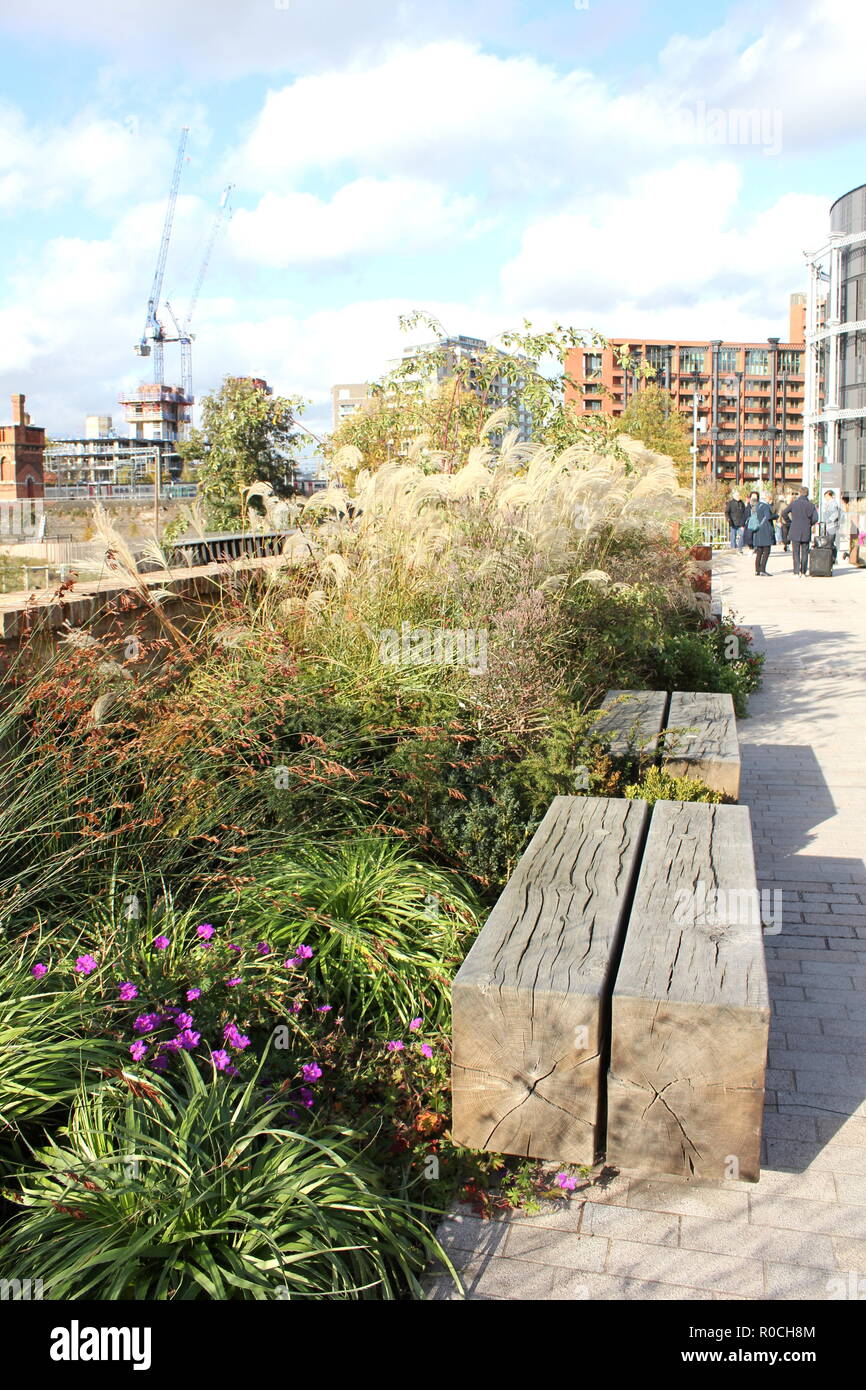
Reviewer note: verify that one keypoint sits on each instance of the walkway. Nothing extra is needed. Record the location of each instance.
(801, 1231)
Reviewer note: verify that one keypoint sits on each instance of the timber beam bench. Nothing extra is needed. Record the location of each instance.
(531, 997)
(632, 721)
(616, 1002)
(694, 732)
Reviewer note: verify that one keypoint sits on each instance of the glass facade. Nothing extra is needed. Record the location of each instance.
(848, 214)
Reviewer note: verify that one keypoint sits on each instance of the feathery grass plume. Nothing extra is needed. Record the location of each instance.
(121, 558)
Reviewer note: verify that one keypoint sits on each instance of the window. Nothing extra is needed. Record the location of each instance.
(790, 361)
(728, 359)
(592, 405)
(592, 363)
(692, 360)
(758, 361)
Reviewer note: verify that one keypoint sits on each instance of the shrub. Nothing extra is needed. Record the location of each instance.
(192, 1191)
(386, 930)
(658, 785)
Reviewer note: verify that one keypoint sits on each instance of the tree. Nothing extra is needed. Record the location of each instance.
(652, 417)
(446, 399)
(247, 436)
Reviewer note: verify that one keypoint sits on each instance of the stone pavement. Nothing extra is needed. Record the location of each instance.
(800, 1232)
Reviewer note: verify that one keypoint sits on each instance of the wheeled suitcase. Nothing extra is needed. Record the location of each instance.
(821, 559)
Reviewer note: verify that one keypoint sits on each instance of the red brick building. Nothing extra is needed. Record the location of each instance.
(22, 450)
(751, 395)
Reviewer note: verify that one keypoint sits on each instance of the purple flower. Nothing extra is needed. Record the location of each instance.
(160, 942)
(415, 1025)
(138, 1050)
(295, 1008)
(188, 1039)
(170, 1045)
(292, 962)
(263, 948)
(221, 1059)
(235, 981)
(160, 1063)
(304, 953)
(183, 1020)
(396, 1046)
(85, 965)
(205, 931)
(39, 970)
(565, 1182)
(426, 1050)
(145, 1023)
(193, 994)
(324, 1008)
(307, 1097)
(312, 1071)
(234, 1037)
(233, 947)
(128, 991)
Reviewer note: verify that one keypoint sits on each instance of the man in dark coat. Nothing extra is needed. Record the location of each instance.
(761, 531)
(735, 512)
(801, 515)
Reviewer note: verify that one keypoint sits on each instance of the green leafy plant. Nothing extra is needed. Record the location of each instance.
(386, 930)
(193, 1190)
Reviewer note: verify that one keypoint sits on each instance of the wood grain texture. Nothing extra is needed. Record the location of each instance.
(633, 721)
(690, 1011)
(701, 740)
(532, 997)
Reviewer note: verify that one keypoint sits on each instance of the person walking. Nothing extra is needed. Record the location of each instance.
(832, 519)
(735, 512)
(858, 533)
(759, 523)
(801, 516)
(782, 506)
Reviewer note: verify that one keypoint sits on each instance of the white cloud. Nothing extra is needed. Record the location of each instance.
(806, 63)
(675, 243)
(367, 217)
(456, 113)
(91, 161)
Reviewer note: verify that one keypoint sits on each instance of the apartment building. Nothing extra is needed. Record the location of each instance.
(750, 396)
(460, 350)
(348, 397)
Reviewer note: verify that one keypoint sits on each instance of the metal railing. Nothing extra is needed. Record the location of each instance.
(135, 492)
(714, 526)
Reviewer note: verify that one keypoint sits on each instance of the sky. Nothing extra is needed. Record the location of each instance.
(626, 167)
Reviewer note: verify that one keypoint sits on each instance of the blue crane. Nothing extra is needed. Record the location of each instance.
(153, 337)
(184, 337)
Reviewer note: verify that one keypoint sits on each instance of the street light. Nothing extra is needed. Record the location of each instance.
(698, 427)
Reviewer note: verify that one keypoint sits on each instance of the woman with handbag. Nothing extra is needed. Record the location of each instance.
(760, 531)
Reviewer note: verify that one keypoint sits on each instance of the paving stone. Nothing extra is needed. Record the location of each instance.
(851, 1187)
(789, 1281)
(563, 1248)
(689, 1269)
(758, 1242)
(850, 1254)
(689, 1199)
(626, 1223)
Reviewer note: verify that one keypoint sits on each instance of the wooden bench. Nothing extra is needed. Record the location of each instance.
(701, 740)
(695, 732)
(690, 1015)
(531, 998)
(543, 999)
(632, 721)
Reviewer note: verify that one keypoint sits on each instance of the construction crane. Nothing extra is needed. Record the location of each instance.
(184, 337)
(153, 337)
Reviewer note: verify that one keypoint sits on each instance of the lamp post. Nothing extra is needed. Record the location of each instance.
(697, 426)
